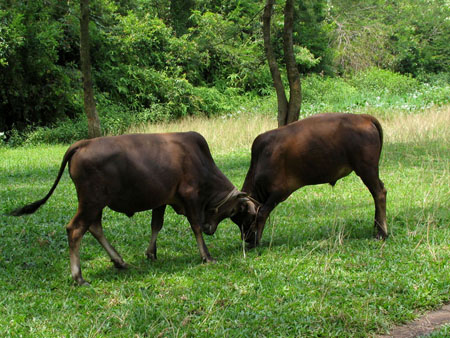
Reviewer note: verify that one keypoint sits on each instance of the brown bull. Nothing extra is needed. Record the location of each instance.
(132, 173)
(318, 149)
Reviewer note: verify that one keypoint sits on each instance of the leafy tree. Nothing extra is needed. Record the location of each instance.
(34, 86)
(420, 39)
(180, 12)
(311, 36)
(409, 36)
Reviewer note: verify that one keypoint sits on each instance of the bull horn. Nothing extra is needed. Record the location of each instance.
(232, 194)
(240, 194)
(248, 198)
(252, 206)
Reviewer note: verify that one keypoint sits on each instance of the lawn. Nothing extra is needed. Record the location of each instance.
(318, 273)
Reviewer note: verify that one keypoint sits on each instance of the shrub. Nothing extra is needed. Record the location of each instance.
(384, 81)
(67, 131)
(373, 88)
(321, 94)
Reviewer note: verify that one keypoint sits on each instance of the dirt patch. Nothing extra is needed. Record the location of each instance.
(421, 326)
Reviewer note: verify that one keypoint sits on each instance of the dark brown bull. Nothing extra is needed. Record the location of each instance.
(132, 173)
(318, 149)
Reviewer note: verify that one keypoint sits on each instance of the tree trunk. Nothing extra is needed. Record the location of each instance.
(273, 66)
(288, 111)
(89, 103)
(295, 93)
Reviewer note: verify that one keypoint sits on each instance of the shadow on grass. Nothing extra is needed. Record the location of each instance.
(35, 255)
(411, 154)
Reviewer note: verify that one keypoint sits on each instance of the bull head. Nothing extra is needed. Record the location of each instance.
(245, 217)
(234, 203)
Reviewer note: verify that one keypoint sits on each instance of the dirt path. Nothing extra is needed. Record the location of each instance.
(421, 326)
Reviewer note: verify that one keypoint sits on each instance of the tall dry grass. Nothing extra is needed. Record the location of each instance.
(229, 134)
(224, 134)
(431, 125)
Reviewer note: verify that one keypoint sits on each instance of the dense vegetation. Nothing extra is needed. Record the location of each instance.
(158, 60)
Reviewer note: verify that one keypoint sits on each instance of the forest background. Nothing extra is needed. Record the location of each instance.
(162, 60)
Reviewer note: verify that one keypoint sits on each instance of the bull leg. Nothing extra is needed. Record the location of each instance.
(378, 191)
(272, 201)
(204, 253)
(194, 215)
(380, 211)
(97, 231)
(261, 220)
(157, 223)
(75, 231)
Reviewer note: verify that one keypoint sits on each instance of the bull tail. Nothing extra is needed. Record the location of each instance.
(377, 125)
(32, 207)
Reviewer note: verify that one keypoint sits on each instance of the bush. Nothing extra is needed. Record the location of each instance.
(384, 81)
(373, 88)
(35, 86)
(67, 131)
(321, 94)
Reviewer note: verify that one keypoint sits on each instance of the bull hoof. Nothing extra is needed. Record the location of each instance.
(81, 282)
(209, 260)
(120, 265)
(381, 235)
(85, 284)
(150, 256)
(251, 246)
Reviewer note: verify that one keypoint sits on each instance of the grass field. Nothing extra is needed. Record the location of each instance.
(318, 273)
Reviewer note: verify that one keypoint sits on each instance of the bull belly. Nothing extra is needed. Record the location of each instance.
(133, 202)
(325, 176)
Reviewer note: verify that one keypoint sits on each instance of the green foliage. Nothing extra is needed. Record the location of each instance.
(325, 94)
(421, 36)
(373, 89)
(67, 131)
(408, 36)
(34, 87)
(360, 37)
(304, 57)
(384, 82)
(11, 35)
(158, 60)
(226, 58)
(312, 34)
(442, 332)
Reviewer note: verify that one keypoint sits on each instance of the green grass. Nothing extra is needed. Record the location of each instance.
(318, 273)
(442, 332)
